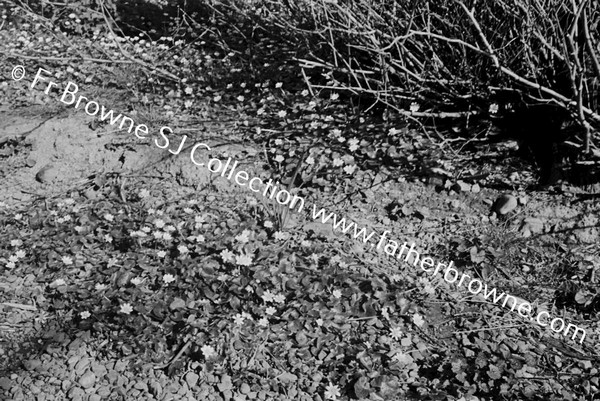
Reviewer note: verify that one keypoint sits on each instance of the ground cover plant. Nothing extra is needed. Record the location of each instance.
(129, 273)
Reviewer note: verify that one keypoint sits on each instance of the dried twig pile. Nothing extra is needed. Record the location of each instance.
(454, 58)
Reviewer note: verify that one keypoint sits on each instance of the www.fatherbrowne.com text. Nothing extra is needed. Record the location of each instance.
(272, 190)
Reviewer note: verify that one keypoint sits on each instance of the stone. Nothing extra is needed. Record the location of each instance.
(87, 380)
(47, 174)
(98, 369)
(5, 383)
(531, 225)
(103, 391)
(461, 186)
(225, 383)
(81, 365)
(155, 389)
(32, 364)
(112, 376)
(76, 394)
(66, 385)
(141, 386)
(192, 379)
(504, 204)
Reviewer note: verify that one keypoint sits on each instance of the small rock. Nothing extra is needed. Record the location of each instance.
(461, 186)
(141, 386)
(103, 391)
(81, 365)
(98, 369)
(532, 225)
(192, 379)
(47, 174)
(87, 380)
(32, 364)
(435, 181)
(362, 388)
(112, 376)
(475, 188)
(172, 388)
(244, 388)
(76, 394)
(287, 377)
(66, 385)
(225, 383)
(504, 204)
(91, 194)
(121, 365)
(155, 389)
(177, 303)
(5, 383)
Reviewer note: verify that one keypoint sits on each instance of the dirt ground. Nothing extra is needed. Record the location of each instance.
(46, 156)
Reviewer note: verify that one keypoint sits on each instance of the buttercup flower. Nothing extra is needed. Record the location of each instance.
(208, 351)
(126, 308)
(227, 255)
(396, 333)
(243, 260)
(332, 392)
(267, 296)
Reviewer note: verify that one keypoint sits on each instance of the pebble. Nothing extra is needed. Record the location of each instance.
(531, 225)
(461, 186)
(245, 388)
(87, 380)
(103, 391)
(534, 225)
(141, 386)
(76, 394)
(32, 364)
(5, 383)
(66, 385)
(192, 379)
(155, 388)
(112, 376)
(504, 204)
(98, 369)
(47, 174)
(81, 365)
